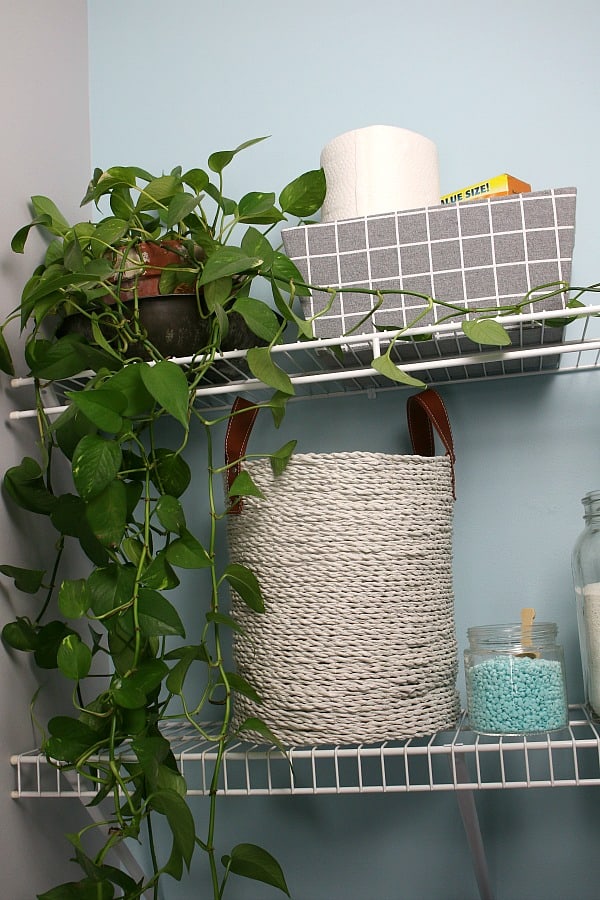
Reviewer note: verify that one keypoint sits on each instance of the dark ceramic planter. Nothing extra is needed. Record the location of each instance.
(173, 324)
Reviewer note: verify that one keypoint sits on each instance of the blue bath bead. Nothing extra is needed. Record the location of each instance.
(511, 694)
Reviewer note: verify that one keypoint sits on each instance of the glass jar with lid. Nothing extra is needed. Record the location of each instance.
(515, 679)
(586, 577)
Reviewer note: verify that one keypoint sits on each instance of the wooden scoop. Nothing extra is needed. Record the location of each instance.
(527, 617)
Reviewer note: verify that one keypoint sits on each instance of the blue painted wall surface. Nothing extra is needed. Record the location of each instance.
(506, 87)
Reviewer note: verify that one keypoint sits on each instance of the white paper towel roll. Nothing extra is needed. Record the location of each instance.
(377, 170)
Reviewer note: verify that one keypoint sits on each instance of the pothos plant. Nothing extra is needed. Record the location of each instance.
(114, 634)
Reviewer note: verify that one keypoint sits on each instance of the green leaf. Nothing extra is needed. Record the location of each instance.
(216, 293)
(486, 331)
(128, 382)
(101, 406)
(43, 206)
(68, 515)
(6, 363)
(252, 723)
(385, 366)
(226, 261)
(106, 233)
(170, 514)
(159, 575)
(110, 588)
(132, 690)
(251, 861)
(171, 474)
(69, 739)
(73, 598)
(259, 317)
(254, 243)
(73, 254)
(133, 549)
(262, 367)
(304, 328)
(25, 485)
(281, 458)
(187, 552)
(197, 179)
(221, 158)
(74, 658)
(181, 821)
(96, 463)
(17, 244)
(241, 686)
(27, 580)
(86, 889)
(278, 405)
(49, 639)
(167, 383)
(177, 675)
(149, 675)
(245, 583)
(284, 270)
(67, 356)
(259, 208)
(69, 428)
(106, 514)
(243, 486)
(179, 207)
(20, 635)
(224, 619)
(60, 359)
(304, 195)
(102, 872)
(156, 192)
(157, 616)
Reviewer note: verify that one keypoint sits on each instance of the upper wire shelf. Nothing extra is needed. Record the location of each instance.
(451, 760)
(336, 366)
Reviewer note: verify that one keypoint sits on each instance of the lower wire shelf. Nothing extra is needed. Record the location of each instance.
(447, 761)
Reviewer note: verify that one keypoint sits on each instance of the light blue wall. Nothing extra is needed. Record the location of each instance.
(499, 87)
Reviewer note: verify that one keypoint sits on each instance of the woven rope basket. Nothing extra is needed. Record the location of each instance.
(353, 552)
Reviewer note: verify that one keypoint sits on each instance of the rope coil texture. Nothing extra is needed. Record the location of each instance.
(353, 552)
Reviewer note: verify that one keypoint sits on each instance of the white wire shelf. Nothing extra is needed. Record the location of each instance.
(447, 761)
(336, 366)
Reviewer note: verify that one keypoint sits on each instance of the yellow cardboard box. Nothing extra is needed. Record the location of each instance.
(499, 186)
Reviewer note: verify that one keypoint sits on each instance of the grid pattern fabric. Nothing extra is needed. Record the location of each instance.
(480, 254)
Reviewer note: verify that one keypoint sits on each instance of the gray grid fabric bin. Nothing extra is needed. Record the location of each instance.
(484, 253)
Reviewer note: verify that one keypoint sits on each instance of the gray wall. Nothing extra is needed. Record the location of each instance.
(45, 150)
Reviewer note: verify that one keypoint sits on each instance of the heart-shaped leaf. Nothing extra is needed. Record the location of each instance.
(252, 861)
(168, 385)
(96, 463)
(486, 331)
(304, 195)
(157, 616)
(187, 552)
(385, 366)
(27, 580)
(73, 598)
(74, 658)
(245, 583)
(262, 367)
(171, 804)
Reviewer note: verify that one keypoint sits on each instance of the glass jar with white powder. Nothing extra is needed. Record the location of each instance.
(586, 577)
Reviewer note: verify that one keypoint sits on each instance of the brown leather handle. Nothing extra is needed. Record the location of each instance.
(239, 427)
(425, 412)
